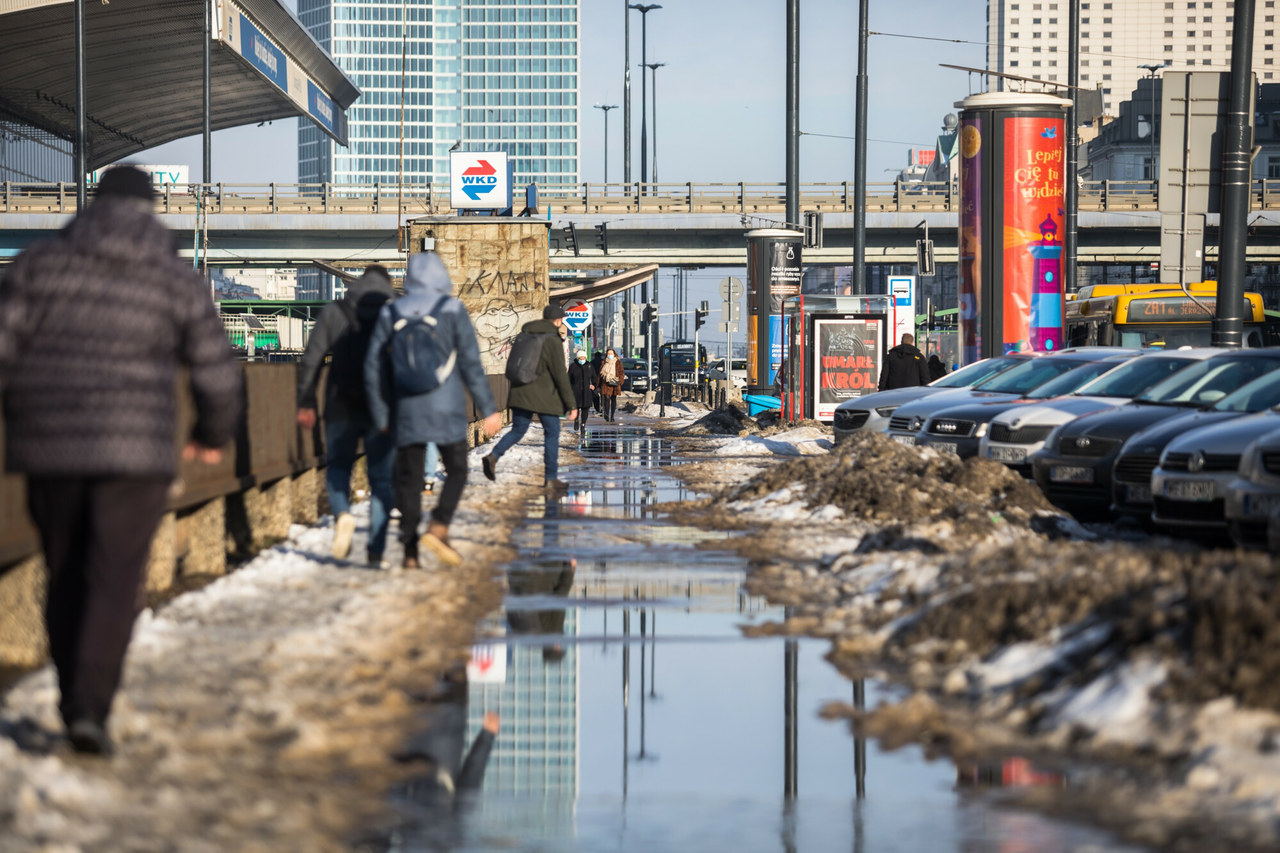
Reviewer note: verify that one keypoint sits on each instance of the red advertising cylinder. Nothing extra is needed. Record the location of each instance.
(1012, 223)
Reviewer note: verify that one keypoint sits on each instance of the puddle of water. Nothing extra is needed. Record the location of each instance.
(636, 717)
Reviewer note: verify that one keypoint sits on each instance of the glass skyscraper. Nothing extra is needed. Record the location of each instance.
(478, 74)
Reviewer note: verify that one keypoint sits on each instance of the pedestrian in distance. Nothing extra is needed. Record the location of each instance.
(94, 326)
(548, 396)
(582, 379)
(937, 369)
(422, 352)
(904, 366)
(597, 359)
(343, 331)
(609, 382)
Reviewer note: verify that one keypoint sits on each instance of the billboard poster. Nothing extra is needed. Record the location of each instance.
(846, 360)
(779, 336)
(784, 272)
(1034, 215)
(970, 242)
(262, 54)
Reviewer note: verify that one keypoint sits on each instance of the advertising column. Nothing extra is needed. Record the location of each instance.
(1012, 210)
(773, 273)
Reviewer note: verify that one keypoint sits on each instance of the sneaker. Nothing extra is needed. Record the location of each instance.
(436, 540)
(490, 466)
(376, 561)
(343, 530)
(89, 737)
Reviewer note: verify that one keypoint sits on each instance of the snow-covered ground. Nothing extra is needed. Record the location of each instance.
(259, 713)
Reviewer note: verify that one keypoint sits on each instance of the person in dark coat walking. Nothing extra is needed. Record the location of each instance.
(548, 397)
(343, 329)
(582, 379)
(440, 416)
(597, 403)
(94, 326)
(904, 366)
(937, 369)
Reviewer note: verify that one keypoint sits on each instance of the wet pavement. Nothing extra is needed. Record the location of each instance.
(635, 716)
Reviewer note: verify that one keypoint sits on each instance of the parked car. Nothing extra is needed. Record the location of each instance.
(636, 371)
(872, 411)
(960, 429)
(1253, 495)
(1018, 433)
(737, 372)
(1074, 468)
(1010, 384)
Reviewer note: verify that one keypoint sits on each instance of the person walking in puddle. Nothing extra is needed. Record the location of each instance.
(94, 325)
(548, 397)
(439, 415)
(582, 379)
(609, 383)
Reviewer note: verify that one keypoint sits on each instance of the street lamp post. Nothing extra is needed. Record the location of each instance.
(644, 9)
(1151, 70)
(606, 108)
(653, 68)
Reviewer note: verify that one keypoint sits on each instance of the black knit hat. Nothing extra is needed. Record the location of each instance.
(126, 181)
(553, 311)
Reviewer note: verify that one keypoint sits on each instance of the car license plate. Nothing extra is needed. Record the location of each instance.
(943, 446)
(1070, 474)
(1260, 505)
(1007, 454)
(1137, 494)
(908, 440)
(1188, 490)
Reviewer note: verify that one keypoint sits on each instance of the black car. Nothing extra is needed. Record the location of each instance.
(636, 372)
(959, 429)
(1074, 469)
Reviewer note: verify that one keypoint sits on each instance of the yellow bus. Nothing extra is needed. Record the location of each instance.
(1154, 315)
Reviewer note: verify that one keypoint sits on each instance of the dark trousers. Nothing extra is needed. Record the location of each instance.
(96, 535)
(581, 423)
(610, 403)
(410, 460)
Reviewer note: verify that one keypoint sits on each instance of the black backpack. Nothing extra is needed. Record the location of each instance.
(526, 355)
(346, 369)
(416, 351)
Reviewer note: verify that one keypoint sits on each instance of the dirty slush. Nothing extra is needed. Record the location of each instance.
(1146, 666)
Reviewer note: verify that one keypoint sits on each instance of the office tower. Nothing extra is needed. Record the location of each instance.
(478, 74)
(1118, 38)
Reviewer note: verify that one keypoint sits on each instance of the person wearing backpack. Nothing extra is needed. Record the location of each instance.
(343, 330)
(422, 352)
(544, 392)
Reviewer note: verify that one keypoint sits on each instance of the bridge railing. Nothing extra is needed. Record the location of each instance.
(585, 199)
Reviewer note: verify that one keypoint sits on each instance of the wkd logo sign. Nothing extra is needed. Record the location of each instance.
(479, 180)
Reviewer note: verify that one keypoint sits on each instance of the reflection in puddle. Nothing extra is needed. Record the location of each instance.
(636, 717)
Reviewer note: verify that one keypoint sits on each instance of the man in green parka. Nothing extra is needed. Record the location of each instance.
(548, 396)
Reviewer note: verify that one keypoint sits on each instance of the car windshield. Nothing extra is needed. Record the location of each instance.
(633, 364)
(1030, 374)
(972, 374)
(1261, 393)
(1134, 377)
(1206, 382)
(1073, 379)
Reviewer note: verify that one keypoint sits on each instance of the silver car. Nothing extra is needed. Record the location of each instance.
(1253, 494)
(872, 411)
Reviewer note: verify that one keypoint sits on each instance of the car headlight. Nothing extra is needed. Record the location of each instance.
(1251, 463)
(886, 411)
(1051, 440)
(981, 430)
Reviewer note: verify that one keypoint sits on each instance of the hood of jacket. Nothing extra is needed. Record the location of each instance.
(426, 276)
(368, 294)
(908, 350)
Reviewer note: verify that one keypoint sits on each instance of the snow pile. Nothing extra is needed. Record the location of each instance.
(679, 413)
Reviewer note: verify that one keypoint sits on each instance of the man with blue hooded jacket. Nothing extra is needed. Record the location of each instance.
(438, 416)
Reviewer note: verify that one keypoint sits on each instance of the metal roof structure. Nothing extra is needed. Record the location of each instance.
(144, 61)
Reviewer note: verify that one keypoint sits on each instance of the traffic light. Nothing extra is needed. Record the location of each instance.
(650, 315)
(924, 258)
(813, 229)
(571, 238)
(602, 237)
(700, 316)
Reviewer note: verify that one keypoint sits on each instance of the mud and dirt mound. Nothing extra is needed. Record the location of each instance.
(733, 420)
(873, 478)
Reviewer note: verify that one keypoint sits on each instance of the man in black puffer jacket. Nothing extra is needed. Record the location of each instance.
(94, 325)
(904, 367)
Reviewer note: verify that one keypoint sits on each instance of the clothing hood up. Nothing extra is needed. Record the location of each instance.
(426, 276)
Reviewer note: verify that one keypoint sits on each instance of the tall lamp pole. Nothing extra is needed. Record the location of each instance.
(626, 99)
(644, 9)
(653, 68)
(606, 108)
(1151, 70)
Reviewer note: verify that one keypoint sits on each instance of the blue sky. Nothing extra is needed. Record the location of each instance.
(721, 96)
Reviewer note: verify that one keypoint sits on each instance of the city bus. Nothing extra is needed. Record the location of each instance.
(1154, 315)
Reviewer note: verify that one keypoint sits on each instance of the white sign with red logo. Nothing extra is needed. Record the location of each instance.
(479, 180)
(488, 664)
(577, 316)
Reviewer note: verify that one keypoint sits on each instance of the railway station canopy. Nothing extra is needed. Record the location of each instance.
(145, 70)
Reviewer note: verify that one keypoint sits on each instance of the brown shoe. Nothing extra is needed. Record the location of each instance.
(436, 540)
(410, 563)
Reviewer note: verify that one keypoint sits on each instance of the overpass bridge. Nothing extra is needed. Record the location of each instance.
(690, 224)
